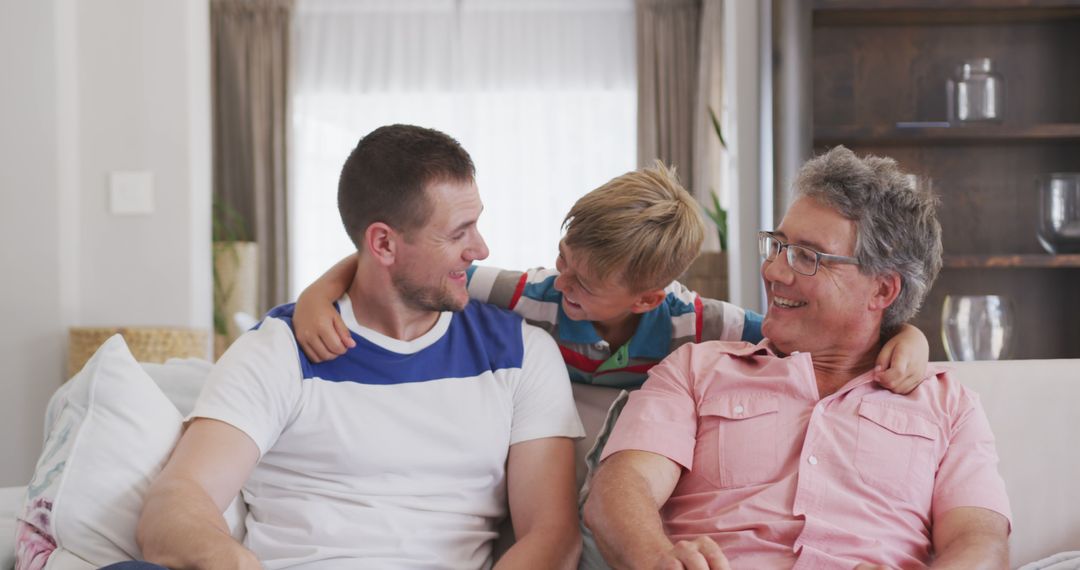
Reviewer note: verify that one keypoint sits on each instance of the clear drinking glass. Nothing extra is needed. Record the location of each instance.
(1059, 212)
(977, 327)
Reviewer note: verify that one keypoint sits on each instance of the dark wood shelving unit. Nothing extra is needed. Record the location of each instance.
(940, 5)
(876, 63)
(939, 12)
(959, 134)
(1032, 260)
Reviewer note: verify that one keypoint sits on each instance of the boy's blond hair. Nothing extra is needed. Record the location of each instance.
(641, 228)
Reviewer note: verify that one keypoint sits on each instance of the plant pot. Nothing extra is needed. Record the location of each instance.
(236, 286)
(708, 275)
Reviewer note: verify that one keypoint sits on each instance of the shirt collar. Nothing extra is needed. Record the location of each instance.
(652, 338)
(745, 349)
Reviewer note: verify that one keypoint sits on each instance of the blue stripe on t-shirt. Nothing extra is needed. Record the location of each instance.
(543, 290)
(480, 339)
(677, 306)
(751, 330)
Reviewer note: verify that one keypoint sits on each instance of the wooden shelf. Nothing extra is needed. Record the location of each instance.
(875, 63)
(936, 12)
(1032, 261)
(940, 135)
(937, 5)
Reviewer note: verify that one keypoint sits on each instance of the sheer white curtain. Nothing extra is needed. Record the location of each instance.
(540, 92)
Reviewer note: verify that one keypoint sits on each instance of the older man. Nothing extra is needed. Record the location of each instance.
(786, 453)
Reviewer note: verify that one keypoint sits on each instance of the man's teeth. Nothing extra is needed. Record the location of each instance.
(787, 302)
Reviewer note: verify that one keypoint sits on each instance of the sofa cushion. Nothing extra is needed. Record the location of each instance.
(110, 430)
(1031, 405)
(180, 379)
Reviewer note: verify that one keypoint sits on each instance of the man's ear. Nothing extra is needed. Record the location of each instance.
(887, 289)
(648, 301)
(381, 243)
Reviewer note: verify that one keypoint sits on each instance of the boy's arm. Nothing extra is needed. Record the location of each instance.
(901, 364)
(322, 333)
(319, 329)
(720, 320)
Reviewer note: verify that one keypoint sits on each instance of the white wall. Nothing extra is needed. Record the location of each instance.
(31, 346)
(91, 88)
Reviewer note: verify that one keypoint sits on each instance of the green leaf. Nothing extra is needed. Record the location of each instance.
(718, 215)
(228, 224)
(716, 127)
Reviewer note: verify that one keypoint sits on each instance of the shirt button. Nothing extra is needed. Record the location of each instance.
(812, 460)
(739, 410)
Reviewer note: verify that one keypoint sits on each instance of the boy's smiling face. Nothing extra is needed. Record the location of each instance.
(601, 299)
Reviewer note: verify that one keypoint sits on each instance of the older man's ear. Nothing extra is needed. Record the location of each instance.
(887, 290)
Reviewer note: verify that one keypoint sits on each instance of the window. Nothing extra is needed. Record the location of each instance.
(540, 92)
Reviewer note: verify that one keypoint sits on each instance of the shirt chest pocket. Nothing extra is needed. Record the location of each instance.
(896, 452)
(737, 440)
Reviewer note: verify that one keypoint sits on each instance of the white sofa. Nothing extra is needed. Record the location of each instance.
(1032, 409)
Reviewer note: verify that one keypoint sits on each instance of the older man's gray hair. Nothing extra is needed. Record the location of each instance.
(896, 223)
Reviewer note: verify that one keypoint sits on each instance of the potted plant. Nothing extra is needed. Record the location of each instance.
(235, 273)
(708, 275)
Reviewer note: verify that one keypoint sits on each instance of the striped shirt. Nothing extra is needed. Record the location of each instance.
(683, 316)
(395, 454)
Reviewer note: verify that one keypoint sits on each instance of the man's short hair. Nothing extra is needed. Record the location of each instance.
(642, 228)
(896, 222)
(386, 175)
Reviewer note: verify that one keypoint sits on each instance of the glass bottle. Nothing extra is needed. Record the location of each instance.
(976, 94)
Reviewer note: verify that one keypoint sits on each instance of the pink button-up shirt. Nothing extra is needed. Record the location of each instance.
(780, 477)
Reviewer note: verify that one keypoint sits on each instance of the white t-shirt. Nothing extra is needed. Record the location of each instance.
(394, 454)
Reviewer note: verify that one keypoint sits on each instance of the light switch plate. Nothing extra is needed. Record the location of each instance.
(131, 193)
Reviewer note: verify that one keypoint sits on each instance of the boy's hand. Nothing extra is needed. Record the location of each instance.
(901, 364)
(319, 328)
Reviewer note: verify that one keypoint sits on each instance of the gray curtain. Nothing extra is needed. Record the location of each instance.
(668, 33)
(680, 78)
(250, 66)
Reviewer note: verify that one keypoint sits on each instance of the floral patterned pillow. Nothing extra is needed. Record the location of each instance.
(34, 546)
(109, 431)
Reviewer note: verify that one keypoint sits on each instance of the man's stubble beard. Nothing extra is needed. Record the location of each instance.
(425, 298)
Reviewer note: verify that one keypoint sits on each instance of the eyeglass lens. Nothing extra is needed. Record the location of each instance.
(801, 259)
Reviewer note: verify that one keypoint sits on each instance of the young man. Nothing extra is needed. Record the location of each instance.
(404, 452)
(611, 303)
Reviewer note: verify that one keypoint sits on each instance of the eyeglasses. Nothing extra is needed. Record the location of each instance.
(802, 259)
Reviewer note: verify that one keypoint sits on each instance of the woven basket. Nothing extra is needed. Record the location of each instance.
(147, 344)
(708, 275)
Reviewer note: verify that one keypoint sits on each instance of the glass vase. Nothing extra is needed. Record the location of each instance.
(977, 327)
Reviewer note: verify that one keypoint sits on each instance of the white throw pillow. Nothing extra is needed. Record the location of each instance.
(110, 431)
(181, 379)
